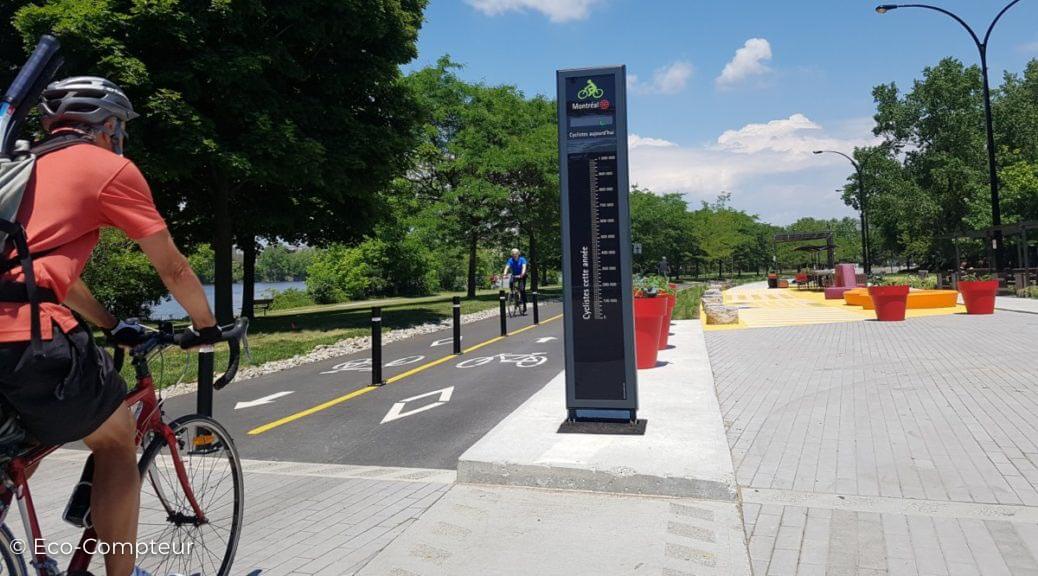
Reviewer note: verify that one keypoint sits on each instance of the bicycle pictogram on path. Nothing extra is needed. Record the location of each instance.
(364, 364)
(529, 360)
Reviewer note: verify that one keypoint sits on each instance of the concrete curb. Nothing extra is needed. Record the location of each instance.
(684, 452)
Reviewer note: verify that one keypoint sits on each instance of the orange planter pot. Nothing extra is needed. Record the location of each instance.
(672, 301)
(979, 296)
(649, 314)
(890, 302)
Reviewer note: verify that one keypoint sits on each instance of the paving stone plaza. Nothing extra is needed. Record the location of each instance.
(875, 448)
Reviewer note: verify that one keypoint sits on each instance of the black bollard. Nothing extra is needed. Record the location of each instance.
(205, 380)
(457, 325)
(504, 321)
(376, 347)
(536, 312)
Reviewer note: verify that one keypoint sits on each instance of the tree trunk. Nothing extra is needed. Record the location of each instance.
(223, 248)
(248, 297)
(471, 288)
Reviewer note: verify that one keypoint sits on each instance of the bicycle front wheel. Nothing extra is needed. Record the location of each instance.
(208, 479)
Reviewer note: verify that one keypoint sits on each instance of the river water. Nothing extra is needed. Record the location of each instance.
(168, 308)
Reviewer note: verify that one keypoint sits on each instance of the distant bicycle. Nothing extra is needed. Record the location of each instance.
(520, 360)
(515, 299)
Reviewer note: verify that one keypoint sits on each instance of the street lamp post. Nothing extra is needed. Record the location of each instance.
(866, 257)
(982, 46)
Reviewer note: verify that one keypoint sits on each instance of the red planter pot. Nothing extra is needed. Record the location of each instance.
(672, 301)
(649, 314)
(890, 302)
(979, 296)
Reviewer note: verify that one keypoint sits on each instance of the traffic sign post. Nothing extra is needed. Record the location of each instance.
(601, 380)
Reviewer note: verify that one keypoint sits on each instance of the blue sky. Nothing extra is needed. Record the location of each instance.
(728, 95)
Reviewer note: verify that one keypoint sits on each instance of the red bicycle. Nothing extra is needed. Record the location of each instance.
(192, 495)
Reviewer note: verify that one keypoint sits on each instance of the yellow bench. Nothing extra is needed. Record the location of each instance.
(917, 299)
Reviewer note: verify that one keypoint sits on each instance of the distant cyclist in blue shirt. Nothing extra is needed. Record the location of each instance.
(516, 266)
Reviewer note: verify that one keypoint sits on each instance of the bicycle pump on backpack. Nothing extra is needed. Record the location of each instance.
(25, 91)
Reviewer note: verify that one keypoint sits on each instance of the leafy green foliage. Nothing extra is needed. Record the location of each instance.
(121, 277)
(277, 263)
(375, 267)
(661, 223)
(485, 172)
(687, 305)
(291, 298)
(929, 178)
(259, 118)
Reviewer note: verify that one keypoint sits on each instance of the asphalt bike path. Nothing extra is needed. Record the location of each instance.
(433, 407)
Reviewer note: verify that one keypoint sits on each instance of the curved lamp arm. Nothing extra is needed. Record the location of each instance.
(981, 45)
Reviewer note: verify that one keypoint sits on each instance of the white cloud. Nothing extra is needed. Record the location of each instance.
(636, 141)
(669, 79)
(555, 10)
(1029, 48)
(794, 135)
(769, 167)
(748, 61)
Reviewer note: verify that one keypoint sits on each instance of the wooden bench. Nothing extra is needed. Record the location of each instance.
(262, 304)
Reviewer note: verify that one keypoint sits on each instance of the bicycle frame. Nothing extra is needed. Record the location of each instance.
(16, 483)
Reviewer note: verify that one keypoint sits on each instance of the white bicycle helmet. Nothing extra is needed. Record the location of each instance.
(83, 100)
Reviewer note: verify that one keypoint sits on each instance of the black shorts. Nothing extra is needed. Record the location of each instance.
(65, 394)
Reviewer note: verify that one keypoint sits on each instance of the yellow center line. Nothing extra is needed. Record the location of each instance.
(360, 392)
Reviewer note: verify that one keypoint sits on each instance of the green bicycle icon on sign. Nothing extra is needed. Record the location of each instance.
(590, 91)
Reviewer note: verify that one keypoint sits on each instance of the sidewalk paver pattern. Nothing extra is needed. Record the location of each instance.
(885, 448)
(322, 519)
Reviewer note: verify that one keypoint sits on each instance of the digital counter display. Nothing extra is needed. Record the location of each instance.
(596, 237)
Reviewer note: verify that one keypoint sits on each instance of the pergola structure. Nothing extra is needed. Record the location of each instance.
(829, 247)
(1020, 230)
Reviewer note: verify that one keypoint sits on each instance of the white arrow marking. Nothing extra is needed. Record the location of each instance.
(444, 341)
(546, 339)
(261, 401)
(397, 411)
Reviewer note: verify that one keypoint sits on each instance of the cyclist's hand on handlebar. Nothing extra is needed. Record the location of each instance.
(127, 333)
(193, 338)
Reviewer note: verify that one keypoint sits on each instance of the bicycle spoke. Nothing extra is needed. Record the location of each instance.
(211, 475)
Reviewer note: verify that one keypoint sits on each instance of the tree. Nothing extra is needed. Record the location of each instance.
(526, 165)
(931, 178)
(720, 230)
(259, 118)
(121, 276)
(485, 169)
(663, 227)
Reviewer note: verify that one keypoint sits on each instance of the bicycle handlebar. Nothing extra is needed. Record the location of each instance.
(165, 337)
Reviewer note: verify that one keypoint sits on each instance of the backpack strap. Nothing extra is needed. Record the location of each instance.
(16, 233)
(63, 140)
(12, 263)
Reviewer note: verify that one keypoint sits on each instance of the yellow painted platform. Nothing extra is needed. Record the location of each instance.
(774, 308)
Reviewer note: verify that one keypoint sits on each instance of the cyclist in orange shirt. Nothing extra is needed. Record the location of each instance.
(67, 388)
